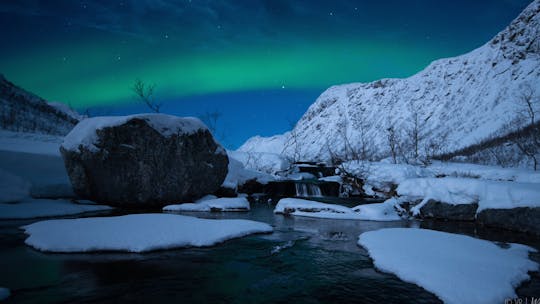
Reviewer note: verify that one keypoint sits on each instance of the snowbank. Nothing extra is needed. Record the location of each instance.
(385, 211)
(4, 293)
(238, 175)
(136, 233)
(456, 268)
(30, 143)
(307, 208)
(216, 204)
(488, 194)
(270, 163)
(35, 208)
(84, 132)
(382, 175)
(12, 188)
(495, 173)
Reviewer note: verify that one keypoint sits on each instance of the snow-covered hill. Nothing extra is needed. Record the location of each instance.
(456, 102)
(22, 111)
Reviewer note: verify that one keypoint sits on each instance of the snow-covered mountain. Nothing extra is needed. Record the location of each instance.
(22, 111)
(456, 102)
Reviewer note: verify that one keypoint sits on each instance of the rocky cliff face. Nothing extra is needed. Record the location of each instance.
(22, 111)
(454, 102)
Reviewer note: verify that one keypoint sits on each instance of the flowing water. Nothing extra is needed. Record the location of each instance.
(308, 190)
(304, 261)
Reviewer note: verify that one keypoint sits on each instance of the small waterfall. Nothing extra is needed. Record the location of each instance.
(308, 190)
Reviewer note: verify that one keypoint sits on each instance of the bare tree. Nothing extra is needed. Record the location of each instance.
(528, 144)
(392, 142)
(292, 143)
(145, 92)
(211, 119)
(414, 132)
(435, 147)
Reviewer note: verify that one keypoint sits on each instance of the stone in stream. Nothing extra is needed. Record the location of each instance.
(522, 219)
(439, 210)
(144, 160)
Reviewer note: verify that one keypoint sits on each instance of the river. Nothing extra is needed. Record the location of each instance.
(304, 261)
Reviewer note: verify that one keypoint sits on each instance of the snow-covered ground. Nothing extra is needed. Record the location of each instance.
(270, 163)
(4, 293)
(212, 204)
(307, 208)
(12, 188)
(487, 194)
(238, 174)
(30, 143)
(495, 173)
(36, 208)
(136, 233)
(34, 158)
(456, 268)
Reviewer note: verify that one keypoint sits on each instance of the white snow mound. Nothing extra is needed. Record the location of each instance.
(488, 194)
(136, 233)
(216, 204)
(369, 212)
(456, 268)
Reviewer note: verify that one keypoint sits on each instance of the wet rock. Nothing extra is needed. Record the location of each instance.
(523, 219)
(438, 210)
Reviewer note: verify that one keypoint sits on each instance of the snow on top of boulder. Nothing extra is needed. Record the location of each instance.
(85, 134)
(136, 233)
(456, 268)
(487, 194)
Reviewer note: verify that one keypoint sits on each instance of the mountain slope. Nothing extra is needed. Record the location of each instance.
(457, 102)
(22, 111)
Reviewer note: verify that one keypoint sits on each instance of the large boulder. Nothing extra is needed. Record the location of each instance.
(143, 160)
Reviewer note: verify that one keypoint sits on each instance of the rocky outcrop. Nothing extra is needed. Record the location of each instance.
(143, 160)
(523, 219)
(443, 211)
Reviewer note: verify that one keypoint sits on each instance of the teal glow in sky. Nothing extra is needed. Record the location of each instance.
(272, 57)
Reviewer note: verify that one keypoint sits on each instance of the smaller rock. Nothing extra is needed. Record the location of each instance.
(439, 210)
(523, 219)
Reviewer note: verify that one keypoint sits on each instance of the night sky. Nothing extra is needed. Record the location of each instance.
(260, 63)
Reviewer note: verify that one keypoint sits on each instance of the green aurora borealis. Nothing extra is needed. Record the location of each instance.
(89, 53)
(201, 73)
